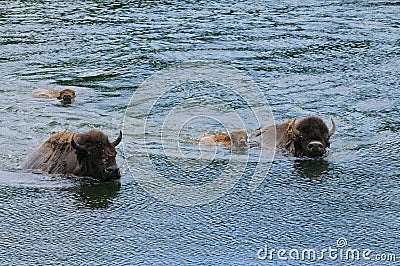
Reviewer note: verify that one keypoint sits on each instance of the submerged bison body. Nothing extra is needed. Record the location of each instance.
(83, 154)
(306, 137)
(235, 139)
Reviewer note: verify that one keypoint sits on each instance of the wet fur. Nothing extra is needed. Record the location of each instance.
(238, 138)
(93, 138)
(214, 139)
(55, 156)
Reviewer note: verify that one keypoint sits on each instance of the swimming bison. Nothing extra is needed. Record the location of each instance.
(88, 154)
(306, 137)
(66, 96)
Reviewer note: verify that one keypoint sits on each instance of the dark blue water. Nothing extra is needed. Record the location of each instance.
(327, 58)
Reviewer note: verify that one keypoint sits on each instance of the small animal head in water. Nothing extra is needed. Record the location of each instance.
(238, 138)
(67, 96)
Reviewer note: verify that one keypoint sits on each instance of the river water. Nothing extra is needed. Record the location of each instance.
(330, 58)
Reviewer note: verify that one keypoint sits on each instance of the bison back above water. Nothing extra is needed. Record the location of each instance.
(235, 139)
(83, 154)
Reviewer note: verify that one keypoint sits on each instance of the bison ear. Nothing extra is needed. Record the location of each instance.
(118, 140)
(77, 146)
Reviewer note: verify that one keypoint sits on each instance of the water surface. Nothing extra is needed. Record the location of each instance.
(327, 58)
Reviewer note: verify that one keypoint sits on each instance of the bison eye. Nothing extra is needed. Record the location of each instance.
(327, 142)
(81, 153)
(298, 138)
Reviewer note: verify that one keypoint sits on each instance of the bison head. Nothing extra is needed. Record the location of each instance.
(96, 155)
(238, 138)
(311, 136)
(67, 96)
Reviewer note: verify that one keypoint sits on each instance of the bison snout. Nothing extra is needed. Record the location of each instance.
(112, 171)
(315, 145)
(315, 148)
(67, 98)
(243, 143)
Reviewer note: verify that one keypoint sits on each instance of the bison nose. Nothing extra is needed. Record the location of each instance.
(315, 145)
(112, 171)
(243, 143)
(67, 98)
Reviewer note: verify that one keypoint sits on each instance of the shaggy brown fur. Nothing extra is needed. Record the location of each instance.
(83, 154)
(66, 95)
(93, 138)
(236, 139)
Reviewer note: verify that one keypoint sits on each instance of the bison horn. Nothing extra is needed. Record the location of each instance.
(294, 129)
(77, 146)
(118, 140)
(333, 129)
